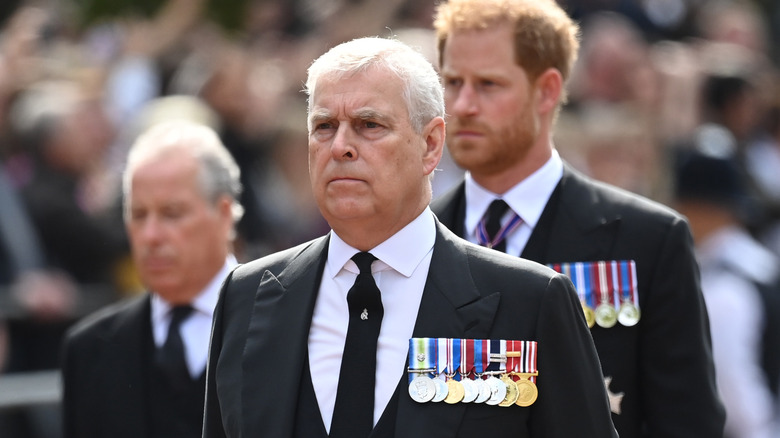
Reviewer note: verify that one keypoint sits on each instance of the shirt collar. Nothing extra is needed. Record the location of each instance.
(527, 198)
(206, 301)
(402, 252)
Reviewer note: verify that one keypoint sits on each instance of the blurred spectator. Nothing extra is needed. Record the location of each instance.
(740, 282)
(137, 368)
(60, 138)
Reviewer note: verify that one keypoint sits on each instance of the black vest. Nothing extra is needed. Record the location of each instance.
(174, 412)
(308, 419)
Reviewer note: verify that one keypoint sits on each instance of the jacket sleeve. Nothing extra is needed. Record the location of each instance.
(676, 347)
(570, 375)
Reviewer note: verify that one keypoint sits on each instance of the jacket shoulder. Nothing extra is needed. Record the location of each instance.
(107, 318)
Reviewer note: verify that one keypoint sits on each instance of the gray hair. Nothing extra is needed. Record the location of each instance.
(422, 88)
(219, 174)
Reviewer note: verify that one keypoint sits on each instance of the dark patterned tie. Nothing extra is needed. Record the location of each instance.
(353, 414)
(495, 212)
(170, 357)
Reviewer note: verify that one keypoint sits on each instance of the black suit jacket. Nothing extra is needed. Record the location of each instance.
(104, 375)
(663, 365)
(261, 327)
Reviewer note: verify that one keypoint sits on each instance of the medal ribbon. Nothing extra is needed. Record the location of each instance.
(466, 357)
(526, 361)
(421, 348)
(453, 357)
(505, 230)
(599, 282)
(628, 286)
(496, 347)
(585, 281)
(441, 352)
(481, 350)
(580, 277)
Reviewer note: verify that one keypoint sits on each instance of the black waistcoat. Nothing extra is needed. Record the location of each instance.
(174, 412)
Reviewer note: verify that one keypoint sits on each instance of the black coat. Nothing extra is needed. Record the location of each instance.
(663, 365)
(261, 327)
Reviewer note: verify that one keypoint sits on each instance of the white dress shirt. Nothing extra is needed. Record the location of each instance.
(400, 273)
(528, 199)
(731, 261)
(196, 329)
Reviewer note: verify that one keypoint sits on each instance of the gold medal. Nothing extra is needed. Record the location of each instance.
(590, 316)
(511, 391)
(606, 315)
(628, 315)
(526, 390)
(455, 392)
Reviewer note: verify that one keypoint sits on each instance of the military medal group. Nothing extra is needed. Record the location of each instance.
(490, 371)
(607, 291)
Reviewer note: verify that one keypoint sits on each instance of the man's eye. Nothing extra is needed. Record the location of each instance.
(372, 125)
(323, 125)
(453, 82)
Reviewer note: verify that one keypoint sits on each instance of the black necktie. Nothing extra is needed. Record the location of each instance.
(170, 357)
(495, 212)
(353, 414)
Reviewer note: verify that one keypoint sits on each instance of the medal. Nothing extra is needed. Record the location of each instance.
(441, 390)
(590, 315)
(628, 315)
(606, 316)
(455, 390)
(484, 390)
(422, 389)
(496, 366)
(521, 363)
(511, 391)
(470, 390)
(526, 391)
(497, 390)
(422, 355)
(580, 276)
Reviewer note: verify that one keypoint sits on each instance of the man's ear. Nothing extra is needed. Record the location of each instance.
(434, 134)
(548, 87)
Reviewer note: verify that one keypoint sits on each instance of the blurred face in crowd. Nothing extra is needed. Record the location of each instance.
(368, 167)
(179, 239)
(492, 123)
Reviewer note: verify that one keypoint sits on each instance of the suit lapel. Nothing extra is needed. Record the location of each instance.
(451, 307)
(277, 340)
(574, 226)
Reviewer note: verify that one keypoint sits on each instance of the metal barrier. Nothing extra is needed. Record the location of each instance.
(18, 390)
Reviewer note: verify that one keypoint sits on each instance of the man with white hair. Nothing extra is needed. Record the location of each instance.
(298, 350)
(137, 369)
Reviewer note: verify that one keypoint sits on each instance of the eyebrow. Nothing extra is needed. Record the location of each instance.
(320, 114)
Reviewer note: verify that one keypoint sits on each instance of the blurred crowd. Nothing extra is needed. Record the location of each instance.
(654, 77)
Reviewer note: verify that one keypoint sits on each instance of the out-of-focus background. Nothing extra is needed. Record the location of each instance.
(79, 79)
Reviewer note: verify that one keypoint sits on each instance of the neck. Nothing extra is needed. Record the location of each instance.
(500, 182)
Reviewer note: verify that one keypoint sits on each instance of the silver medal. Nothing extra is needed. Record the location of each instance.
(484, 391)
(441, 390)
(422, 389)
(470, 390)
(497, 390)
